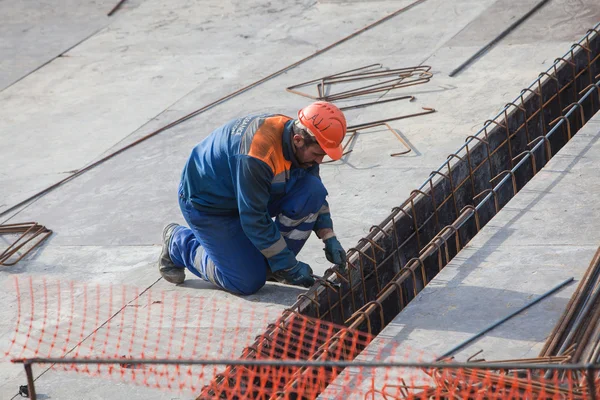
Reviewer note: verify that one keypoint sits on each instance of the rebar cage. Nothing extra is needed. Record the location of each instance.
(388, 267)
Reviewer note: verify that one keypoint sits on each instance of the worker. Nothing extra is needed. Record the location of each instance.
(251, 195)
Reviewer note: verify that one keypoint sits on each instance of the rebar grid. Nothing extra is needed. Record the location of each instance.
(388, 267)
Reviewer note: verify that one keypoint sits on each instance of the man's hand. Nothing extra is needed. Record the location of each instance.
(334, 251)
(299, 275)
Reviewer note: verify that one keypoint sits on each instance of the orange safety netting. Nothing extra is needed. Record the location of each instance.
(238, 349)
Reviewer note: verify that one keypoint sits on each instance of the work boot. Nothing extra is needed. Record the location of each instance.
(270, 276)
(167, 268)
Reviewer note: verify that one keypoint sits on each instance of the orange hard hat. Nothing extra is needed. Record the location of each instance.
(327, 124)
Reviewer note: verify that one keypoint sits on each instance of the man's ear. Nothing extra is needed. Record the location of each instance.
(298, 140)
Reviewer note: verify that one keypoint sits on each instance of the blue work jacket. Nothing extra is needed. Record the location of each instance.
(239, 168)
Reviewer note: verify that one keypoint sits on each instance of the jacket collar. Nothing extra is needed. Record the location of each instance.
(288, 145)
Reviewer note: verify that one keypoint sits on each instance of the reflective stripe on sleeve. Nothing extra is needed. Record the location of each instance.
(297, 234)
(324, 209)
(274, 248)
(290, 223)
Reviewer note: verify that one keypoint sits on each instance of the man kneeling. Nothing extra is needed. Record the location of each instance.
(236, 181)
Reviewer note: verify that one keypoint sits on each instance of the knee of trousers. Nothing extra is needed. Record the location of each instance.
(252, 287)
(245, 285)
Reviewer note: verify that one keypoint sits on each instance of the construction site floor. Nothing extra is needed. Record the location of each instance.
(76, 85)
(546, 234)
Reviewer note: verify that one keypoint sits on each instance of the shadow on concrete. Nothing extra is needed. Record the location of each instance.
(511, 225)
(272, 293)
(494, 303)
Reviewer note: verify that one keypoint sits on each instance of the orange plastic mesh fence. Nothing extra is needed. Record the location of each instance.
(161, 339)
(69, 320)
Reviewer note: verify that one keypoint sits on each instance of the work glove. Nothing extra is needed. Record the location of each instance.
(334, 252)
(299, 275)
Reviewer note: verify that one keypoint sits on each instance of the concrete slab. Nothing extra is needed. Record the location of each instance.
(110, 219)
(60, 119)
(34, 33)
(543, 236)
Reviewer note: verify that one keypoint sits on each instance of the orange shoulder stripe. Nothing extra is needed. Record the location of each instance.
(267, 144)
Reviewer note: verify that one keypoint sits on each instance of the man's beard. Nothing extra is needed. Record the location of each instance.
(305, 165)
(308, 165)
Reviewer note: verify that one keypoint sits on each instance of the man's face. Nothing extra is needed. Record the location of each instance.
(309, 155)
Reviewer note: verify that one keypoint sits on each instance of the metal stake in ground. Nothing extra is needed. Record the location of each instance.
(495, 324)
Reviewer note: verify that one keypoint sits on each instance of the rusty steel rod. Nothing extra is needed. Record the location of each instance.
(211, 105)
(28, 232)
(115, 8)
(428, 110)
(503, 320)
(498, 38)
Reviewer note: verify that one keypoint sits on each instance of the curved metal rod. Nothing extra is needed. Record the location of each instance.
(494, 195)
(398, 286)
(414, 276)
(327, 283)
(589, 67)
(438, 248)
(580, 45)
(477, 138)
(529, 90)
(590, 31)
(414, 212)
(580, 111)
(563, 118)
(475, 211)
(457, 238)
(539, 94)
(378, 228)
(433, 202)
(362, 253)
(417, 259)
(423, 273)
(554, 78)
(525, 122)
(451, 155)
(564, 60)
(515, 106)
(339, 275)
(452, 188)
(376, 303)
(588, 87)
(505, 126)
(420, 192)
(296, 313)
(355, 316)
(573, 72)
(488, 122)
(533, 163)
(514, 179)
(373, 243)
(547, 142)
(402, 210)
(434, 243)
(304, 295)
(291, 88)
(487, 146)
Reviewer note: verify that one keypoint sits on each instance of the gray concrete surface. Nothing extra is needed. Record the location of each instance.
(156, 62)
(543, 236)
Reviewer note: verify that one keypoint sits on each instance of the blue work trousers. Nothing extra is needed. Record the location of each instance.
(216, 249)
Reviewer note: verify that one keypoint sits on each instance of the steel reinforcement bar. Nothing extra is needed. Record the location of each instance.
(389, 267)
